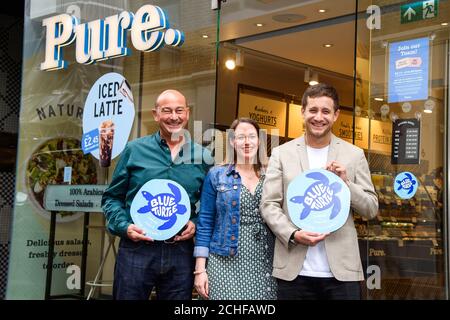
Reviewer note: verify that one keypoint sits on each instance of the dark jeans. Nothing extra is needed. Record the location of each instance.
(142, 266)
(310, 288)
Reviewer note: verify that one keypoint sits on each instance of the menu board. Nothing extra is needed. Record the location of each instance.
(406, 141)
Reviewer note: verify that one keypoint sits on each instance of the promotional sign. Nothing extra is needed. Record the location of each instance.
(85, 198)
(405, 185)
(107, 118)
(270, 114)
(406, 141)
(408, 70)
(161, 208)
(318, 201)
(381, 136)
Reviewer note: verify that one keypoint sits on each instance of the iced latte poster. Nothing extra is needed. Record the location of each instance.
(107, 118)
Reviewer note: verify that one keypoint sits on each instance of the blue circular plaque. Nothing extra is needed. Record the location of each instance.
(318, 201)
(161, 208)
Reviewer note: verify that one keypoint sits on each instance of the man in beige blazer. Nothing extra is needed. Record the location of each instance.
(310, 265)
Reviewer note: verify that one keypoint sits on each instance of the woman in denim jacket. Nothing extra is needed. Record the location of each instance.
(231, 234)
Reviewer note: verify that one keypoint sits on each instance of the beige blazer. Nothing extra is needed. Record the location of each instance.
(286, 162)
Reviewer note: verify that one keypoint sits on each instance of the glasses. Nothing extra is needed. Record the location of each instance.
(251, 138)
(169, 111)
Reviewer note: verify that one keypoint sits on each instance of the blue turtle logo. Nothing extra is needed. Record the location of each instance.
(164, 206)
(320, 196)
(406, 183)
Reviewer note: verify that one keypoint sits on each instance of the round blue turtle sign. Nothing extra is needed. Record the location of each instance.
(318, 201)
(161, 208)
(405, 185)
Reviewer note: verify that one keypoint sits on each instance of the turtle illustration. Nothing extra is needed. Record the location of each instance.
(164, 206)
(319, 196)
(406, 183)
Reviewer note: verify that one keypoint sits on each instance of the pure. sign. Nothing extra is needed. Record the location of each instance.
(163, 206)
(105, 39)
(321, 201)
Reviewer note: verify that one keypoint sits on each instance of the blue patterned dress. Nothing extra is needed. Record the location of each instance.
(248, 275)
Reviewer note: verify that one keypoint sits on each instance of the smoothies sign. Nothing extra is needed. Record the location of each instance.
(107, 118)
(106, 39)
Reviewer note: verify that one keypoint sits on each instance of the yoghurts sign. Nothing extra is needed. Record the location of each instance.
(270, 114)
(106, 39)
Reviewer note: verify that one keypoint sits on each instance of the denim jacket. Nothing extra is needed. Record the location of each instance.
(218, 220)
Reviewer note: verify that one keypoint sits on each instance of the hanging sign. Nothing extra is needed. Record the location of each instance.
(161, 208)
(107, 118)
(405, 185)
(318, 201)
(408, 70)
(406, 141)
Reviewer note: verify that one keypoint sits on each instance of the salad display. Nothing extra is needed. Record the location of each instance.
(46, 167)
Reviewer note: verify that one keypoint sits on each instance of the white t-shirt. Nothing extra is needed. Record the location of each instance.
(316, 261)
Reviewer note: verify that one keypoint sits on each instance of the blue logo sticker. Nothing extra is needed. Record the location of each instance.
(161, 208)
(318, 201)
(89, 142)
(405, 185)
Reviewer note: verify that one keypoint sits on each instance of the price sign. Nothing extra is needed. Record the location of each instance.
(89, 142)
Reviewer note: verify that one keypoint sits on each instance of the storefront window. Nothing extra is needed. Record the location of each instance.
(387, 59)
(51, 121)
(393, 106)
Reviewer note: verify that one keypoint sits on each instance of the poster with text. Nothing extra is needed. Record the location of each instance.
(408, 70)
(107, 118)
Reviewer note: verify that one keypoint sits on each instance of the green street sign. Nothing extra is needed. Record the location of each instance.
(417, 11)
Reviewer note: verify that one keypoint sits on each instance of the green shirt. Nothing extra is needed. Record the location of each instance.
(149, 158)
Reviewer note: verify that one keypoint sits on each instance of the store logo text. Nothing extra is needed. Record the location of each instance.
(105, 39)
